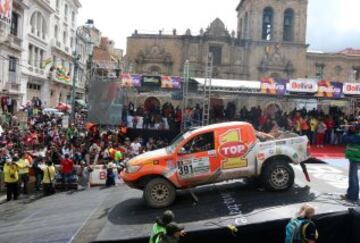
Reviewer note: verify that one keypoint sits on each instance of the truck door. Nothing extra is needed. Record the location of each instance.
(197, 159)
(235, 151)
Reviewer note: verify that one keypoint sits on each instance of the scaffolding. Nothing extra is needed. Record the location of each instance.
(207, 91)
(185, 97)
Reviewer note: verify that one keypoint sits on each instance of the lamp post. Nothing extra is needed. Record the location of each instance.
(76, 59)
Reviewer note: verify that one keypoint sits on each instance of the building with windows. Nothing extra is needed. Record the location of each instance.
(270, 41)
(36, 49)
(11, 47)
(107, 59)
(63, 45)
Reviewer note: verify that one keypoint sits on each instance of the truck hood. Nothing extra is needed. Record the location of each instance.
(149, 156)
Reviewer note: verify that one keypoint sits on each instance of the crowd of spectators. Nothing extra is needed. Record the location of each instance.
(320, 127)
(32, 149)
(75, 148)
(154, 117)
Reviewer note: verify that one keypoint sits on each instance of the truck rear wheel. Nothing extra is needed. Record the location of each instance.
(159, 193)
(278, 176)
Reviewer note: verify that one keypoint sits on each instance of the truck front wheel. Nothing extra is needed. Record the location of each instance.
(159, 193)
(278, 176)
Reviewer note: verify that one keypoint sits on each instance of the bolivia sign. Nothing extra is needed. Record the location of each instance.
(329, 89)
(302, 86)
(351, 88)
(273, 86)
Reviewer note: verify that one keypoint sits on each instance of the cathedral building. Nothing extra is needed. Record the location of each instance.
(270, 41)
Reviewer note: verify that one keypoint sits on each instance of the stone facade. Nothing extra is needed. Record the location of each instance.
(11, 41)
(270, 41)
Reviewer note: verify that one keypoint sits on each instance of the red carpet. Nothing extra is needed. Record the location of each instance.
(328, 152)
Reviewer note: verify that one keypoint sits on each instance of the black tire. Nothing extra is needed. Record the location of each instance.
(159, 193)
(278, 176)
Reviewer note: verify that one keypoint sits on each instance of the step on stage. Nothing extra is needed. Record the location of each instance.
(259, 216)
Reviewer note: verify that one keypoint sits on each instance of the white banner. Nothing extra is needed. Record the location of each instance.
(351, 88)
(302, 86)
(98, 176)
(6, 10)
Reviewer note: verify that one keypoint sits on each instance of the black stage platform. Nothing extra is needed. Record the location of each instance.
(257, 214)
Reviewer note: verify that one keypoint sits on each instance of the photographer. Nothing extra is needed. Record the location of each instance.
(352, 141)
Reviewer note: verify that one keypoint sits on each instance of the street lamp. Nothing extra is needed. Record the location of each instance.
(76, 59)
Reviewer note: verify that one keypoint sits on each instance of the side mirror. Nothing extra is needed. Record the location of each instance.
(182, 151)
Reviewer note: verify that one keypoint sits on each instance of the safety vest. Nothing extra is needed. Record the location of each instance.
(156, 231)
(23, 165)
(11, 174)
(49, 174)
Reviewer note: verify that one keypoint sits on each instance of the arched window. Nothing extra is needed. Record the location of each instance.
(267, 29)
(66, 10)
(288, 34)
(240, 29)
(33, 23)
(246, 26)
(155, 70)
(64, 38)
(56, 32)
(38, 25)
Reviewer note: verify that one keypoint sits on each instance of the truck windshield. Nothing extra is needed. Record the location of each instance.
(171, 148)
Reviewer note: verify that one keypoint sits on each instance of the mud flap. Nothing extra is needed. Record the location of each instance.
(305, 171)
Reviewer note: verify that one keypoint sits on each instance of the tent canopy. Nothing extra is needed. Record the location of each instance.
(225, 83)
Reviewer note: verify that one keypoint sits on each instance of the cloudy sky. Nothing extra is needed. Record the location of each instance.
(333, 25)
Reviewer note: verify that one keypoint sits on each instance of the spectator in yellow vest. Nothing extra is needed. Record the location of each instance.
(24, 166)
(48, 178)
(11, 178)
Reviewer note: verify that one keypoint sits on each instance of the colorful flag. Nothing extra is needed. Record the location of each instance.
(47, 62)
(6, 10)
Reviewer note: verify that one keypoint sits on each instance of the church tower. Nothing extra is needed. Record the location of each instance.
(274, 36)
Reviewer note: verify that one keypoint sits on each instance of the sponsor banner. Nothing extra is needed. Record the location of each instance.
(273, 86)
(170, 82)
(329, 89)
(302, 86)
(351, 88)
(6, 10)
(131, 81)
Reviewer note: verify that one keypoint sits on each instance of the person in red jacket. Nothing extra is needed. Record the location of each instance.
(67, 168)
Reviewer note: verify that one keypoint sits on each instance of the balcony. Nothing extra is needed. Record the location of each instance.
(56, 43)
(15, 42)
(14, 78)
(14, 82)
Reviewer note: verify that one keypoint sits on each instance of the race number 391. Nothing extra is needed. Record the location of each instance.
(185, 168)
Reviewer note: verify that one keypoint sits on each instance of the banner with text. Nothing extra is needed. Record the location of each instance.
(351, 88)
(273, 86)
(170, 82)
(302, 86)
(6, 10)
(329, 89)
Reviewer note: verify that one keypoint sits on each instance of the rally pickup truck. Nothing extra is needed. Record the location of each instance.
(213, 154)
